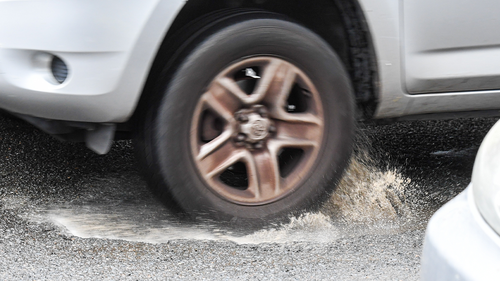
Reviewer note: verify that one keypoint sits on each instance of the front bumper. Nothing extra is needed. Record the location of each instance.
(108, 45)
(459, 244)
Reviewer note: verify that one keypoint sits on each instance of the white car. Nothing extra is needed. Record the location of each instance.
(243, 108)
(462, 241)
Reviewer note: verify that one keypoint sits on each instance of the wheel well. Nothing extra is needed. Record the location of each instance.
(340, 23)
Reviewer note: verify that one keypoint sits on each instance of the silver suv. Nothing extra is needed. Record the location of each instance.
(243, 109)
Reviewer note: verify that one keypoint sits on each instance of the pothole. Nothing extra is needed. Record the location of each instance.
(149, 223)
(366, 200)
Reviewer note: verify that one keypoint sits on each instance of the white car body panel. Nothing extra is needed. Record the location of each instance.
(383, 19)
(486, 178)
(459, 244)
(462, 239)
(109, 55)
(451, 45)
(385, 22)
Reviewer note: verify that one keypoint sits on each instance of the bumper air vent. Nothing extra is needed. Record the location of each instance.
(59, 69)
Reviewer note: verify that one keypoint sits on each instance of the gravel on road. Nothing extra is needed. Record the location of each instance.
(67, 213)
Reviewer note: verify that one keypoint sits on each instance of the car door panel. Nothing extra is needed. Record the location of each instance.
(451, 45)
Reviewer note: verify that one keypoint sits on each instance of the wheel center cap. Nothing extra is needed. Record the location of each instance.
(256, 128)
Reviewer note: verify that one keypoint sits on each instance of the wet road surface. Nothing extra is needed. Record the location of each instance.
(67, 213)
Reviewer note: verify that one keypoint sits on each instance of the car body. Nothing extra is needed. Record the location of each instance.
(109, 66)
(89, 70)
(462, 240)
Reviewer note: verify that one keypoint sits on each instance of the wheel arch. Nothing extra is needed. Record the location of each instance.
(340, 23)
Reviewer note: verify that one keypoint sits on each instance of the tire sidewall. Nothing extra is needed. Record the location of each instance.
(258, 37)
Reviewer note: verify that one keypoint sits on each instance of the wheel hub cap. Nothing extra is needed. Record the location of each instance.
(256, 128)
(253, 127)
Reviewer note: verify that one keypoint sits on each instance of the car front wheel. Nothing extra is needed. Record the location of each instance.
(255, 123)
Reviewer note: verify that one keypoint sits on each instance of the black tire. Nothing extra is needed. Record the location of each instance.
(163, 140)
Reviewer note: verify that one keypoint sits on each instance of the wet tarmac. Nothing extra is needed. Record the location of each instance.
(67, 212)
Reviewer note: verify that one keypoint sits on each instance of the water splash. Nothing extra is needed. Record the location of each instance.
(367, 199)
(310, 227)
(367, 194)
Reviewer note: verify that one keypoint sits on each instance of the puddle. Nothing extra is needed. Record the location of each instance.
(98, 224)
(150, 224)
(367, 201)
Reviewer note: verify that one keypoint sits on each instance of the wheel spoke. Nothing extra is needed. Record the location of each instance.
(214, 144)
(264, 177)
(277, 144)
(221, 103)
(296, 133)
(280, 79)
(298, 118)
(220, 159)
(230, 87)
(276, 83)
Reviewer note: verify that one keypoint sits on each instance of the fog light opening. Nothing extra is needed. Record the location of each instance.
(59, 69)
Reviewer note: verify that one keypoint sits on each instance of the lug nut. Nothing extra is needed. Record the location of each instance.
(242, 118)
(259, 145)
(261, 110)
(240, 138)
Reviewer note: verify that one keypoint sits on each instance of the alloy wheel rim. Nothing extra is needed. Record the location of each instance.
(261, 122)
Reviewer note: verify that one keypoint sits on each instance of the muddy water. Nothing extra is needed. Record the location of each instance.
(367, 194)
(90, 196)
(367, 200)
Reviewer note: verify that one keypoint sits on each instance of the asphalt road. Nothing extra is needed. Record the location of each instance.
(67, 213)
